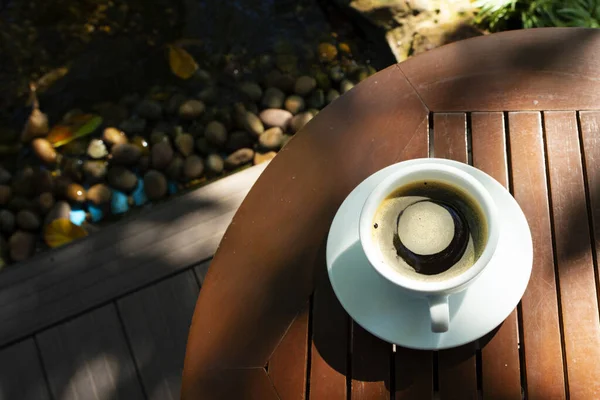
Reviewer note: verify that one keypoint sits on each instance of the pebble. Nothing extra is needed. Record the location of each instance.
(253, 124)
(252, 107)
(214, 164)
(252, 90)
(155, 185)
(43, 181)
(193, 167)
(5, 176)
(260, 158)
(119, 203)
(346, 85)
(23, 184)
(336, 73)
(286, 139)
(299, 121)
(28, 220)
(143, 164)
(99, 194)
(36, 125)
(332, 95)
(216, 133)
(185, 144)
(323, 81)
(272, 77)
(202, 146)
(239, 158)
(75, 193)
(7, 222)
(271, 139)
(61, 209)
(44, 151)
(125, 154)
(162, 154)
(121, 179)
(285, 82)
(208, 95)
(133, 126)
(304, 85)
(5, 194)
(191, 109)
(45, 202)
(327, 51)
(158, 137)
(113, 136)
(18, 203)
(95, 170)
(273, 98)
(238, 140)
(276, 117)
(73, 168)
(21, 245)
(139, 196)
(129, 100)
(78, 217)
(149, 109)
(317, 99)
(175, 168)
(174, 103)
(60, 185)
(97, 149)
(294, 104)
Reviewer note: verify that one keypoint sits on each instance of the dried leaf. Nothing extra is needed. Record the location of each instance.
(81, 125)
(50, 78)
(62, 231)
(181, 62)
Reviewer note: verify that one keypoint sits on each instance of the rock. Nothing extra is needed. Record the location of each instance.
(276, 117)
(191, 109)
(73, 168)
(193, 167)
(149, 109)
(155, 185)
(133, 126)
(332, 95)
(346, 85)
(5, 194)
(238, 140)
(253, 124)
(7, 222)
(327, 52)
(174, 103)
(21, 245)
(208, 95)
(43, 181)
(362, 74)
(336, 73)
(260, 158)
(75, 148)
(129, 100)
(271, 139)
(5, 176)
(304, 85)
(323, 81)
(36, 126)
(95, 171)
(161, 156)
(272, 77)
(158, 137)
(175, 169)
(125, 154)
(239, 158)
(317, 99)
(99, 194)
(97, 149)
(214, 164)
(76, 193)
(121, 179)
(285, 82)
(113, 136)
(313, 111)
(143, 164)
(251, 90)
(294, 104)
(28, 220)
(202, 146)
(299, 121)
(216, 133)
(45, 202)
(141, 144)
(61, 209)
(272, 98)
(44, 151)
(252, 107)
(185, 144)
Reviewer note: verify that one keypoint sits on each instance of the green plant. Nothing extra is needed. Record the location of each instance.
(500, 14)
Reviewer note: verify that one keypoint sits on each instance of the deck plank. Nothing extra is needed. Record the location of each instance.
(119, 258)
(88, 358)
(21, 375)
(157, 320)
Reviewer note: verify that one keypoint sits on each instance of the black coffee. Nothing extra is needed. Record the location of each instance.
(430, 229)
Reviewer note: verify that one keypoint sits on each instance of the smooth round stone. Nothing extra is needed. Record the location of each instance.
(272, 139)
(142, 144)
(23, 184)
(7, 222)
(294, 104)
(125, 154)
(252, 107)
(238, 140)
(345, 86)
(327, 51)
(260, 158)
(253, 124)
(272, 77)
(43, 181)
(149, 109)
(336, 73)
(252, 90)
(191, 109)
(75, 193)
(5, 176)
(121, 179)
(332, 95)
(5, 194)
(276, 117)
(214, 164)
(143, 164)
(36, 125)
(185, 144)
(133, 126)
(113, 136)
(44, 151)
(158, 137)
(239, 158)
(317, 99)
(162, 154)
(285, 82)
(45, 202)
(97, 149)
(273, 98)
(95, 170)
(216, 133)
(175, 169)
(155, 185)
(203, 146)
(426, 228)
(193, 167)
(299, 121)
(21, 245)
(73, 168)
(174, 103)
(286, 139)
(61, 209)
(209, 94)
(99, 194)
(304, 85)
(28, 220)
(323, 81)
(119, 203)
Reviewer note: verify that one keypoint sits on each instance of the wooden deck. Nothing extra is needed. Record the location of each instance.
(108, 317)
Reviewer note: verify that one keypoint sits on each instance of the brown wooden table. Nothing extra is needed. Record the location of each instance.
(521, 106)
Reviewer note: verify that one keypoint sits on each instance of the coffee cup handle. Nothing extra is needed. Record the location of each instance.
(439, 312)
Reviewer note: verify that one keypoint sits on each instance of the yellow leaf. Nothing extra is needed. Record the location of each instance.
(182, 63)
(81, 125)
(62, 231)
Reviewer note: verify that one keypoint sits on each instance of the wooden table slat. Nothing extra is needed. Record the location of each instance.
(370, 366)
(449, 136)
(541, 331)
(577, 281)
(21, 374)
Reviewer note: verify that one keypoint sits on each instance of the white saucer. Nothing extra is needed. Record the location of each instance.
(379, 307)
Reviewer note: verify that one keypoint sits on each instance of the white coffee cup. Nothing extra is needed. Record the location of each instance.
(436, 292)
